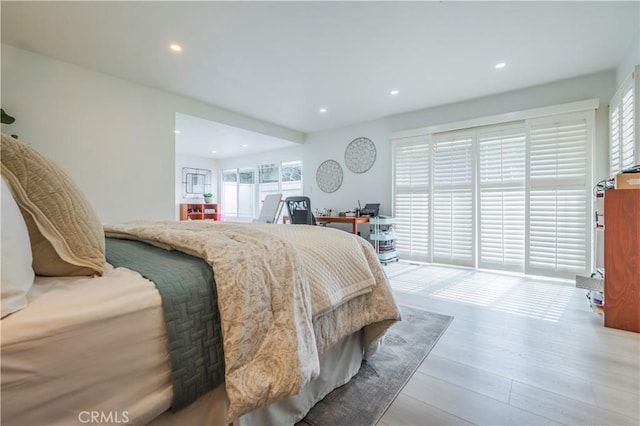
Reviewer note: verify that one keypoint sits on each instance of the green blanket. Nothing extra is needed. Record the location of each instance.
(187, 287)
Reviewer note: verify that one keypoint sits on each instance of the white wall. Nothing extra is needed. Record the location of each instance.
(115, 138)
(375, 185)
(184, 160)
(630, 61)
(293, 153)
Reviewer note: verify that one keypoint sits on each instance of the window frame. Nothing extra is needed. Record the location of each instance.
(585, 109)
(257, 193)
(629, 87)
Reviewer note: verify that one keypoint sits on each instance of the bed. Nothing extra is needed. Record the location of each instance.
(298, 307)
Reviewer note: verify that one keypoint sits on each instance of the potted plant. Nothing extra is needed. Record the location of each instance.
(208, 197)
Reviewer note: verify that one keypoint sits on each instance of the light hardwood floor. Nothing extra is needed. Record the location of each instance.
(520, 351)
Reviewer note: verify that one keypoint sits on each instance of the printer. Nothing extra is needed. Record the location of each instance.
(370, 210)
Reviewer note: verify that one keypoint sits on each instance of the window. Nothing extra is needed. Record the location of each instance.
(284, 178)
(558, 176)
(230, 193)
(501, 189)
(243, 196)
(525, 185)
(453, 198)
(246, 193)
(623, 140)
(411, 197)
(269, 180)
(291, 179)
(238, 193)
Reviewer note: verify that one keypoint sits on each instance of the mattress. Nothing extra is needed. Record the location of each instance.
(82, 339)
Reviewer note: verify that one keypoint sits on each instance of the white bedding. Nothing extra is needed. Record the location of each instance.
(80, 340)
(270, 280)
(86, 345)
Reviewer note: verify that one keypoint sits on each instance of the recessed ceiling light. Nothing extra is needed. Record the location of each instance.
(394, 92)
(323, 110)
(244, 145)
(214, 152)
(501, 65)
(175, 47)
(177, 132)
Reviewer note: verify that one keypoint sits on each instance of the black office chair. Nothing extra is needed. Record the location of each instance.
(300, 211)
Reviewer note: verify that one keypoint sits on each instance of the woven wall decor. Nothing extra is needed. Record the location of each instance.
(329, 176)
(360, 155)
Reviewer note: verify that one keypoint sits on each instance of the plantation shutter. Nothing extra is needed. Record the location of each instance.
(628, 154)
(558, 172)
(622, 132)
(502, 155)
(511, 196)
(411, 198)
(615, 165)
(453, 182)
(627, 130)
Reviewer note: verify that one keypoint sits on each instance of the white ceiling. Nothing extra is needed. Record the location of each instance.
(282, 61)
(199, 137)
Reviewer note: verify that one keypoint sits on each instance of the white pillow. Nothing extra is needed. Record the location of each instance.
(16, 273)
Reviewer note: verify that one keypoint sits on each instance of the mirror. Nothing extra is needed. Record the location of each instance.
(195, 181)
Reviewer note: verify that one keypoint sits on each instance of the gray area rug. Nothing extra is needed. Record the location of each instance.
(367, 396)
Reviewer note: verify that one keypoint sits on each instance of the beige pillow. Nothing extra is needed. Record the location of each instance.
(66, 235)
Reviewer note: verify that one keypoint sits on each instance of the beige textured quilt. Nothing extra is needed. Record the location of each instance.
(285, 293)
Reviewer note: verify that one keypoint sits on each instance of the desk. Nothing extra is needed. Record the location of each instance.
(354, 221)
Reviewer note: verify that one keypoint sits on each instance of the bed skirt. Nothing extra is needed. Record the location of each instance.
(337, 366)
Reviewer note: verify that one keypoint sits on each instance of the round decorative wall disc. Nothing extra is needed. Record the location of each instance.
(360, 155)
(329, 176)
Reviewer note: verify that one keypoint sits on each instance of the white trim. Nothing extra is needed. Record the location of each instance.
(475, 197)
(578, 106)
(636, 111)
(527, 191)
(431, 202)
(628, 82)
(591, 143)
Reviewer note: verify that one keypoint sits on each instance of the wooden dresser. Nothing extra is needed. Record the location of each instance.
(622, 259)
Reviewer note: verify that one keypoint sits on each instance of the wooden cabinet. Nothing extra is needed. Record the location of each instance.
(199, 211)
(622, 259)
